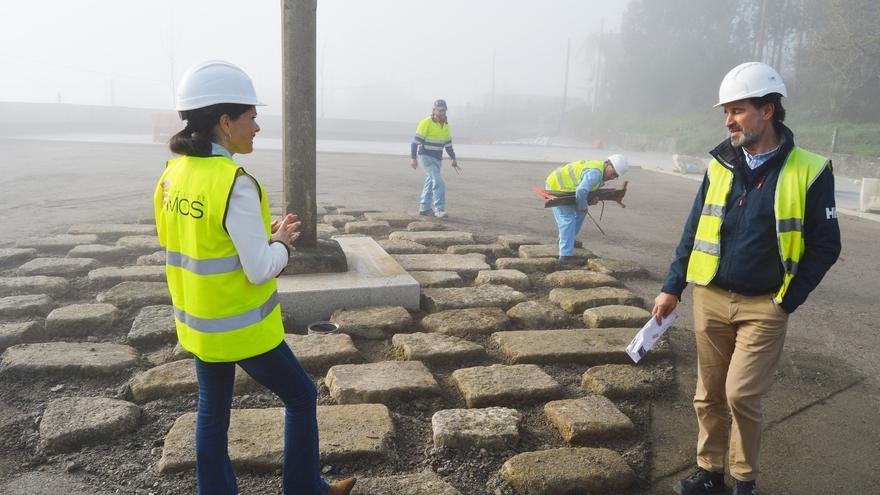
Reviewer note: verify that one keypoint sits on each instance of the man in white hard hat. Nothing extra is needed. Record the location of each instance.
(761, 235)
(580, 177)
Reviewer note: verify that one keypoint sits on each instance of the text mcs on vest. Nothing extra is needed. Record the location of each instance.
(194, 208)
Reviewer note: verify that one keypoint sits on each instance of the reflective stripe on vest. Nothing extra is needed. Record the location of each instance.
(800, 170)
(568, 176)
(220, 316)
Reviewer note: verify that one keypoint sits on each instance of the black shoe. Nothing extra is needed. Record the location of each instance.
(426, 213)
(745, 488)
(570, 261)
(700, 483)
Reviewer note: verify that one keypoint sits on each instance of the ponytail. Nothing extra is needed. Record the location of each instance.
(195, 139)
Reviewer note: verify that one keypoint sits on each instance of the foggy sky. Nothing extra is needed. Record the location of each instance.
(377, 59)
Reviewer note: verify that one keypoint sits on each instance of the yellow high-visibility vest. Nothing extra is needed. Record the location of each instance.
(220, 315)
(568, 176)
(798, 173)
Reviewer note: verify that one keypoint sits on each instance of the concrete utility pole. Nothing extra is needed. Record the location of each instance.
(298, 66)
(564, 88)
(597, 71)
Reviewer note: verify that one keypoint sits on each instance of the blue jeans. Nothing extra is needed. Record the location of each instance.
(569, 221)
(279, 371)
(434, 190)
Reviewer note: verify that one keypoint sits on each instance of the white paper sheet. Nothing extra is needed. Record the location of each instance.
(648, 335)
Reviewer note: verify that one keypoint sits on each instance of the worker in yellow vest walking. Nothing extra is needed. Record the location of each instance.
(761, 235)
(431, 138)
(222, 256)
(581, 177)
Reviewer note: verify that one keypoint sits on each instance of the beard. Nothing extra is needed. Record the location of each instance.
(746, 140)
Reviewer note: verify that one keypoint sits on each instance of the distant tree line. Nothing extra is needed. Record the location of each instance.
(671, 55)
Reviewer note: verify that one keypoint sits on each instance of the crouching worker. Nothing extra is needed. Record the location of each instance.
(222, 256)
(581, 177)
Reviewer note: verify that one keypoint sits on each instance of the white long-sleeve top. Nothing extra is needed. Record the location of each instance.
(260, 259)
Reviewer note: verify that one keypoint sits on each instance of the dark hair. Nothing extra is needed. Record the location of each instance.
(774, 99)
(195, 139)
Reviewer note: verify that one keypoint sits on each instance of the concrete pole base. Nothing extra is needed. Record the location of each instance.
(326, 257)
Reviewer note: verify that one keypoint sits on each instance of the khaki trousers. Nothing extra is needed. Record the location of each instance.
(739, 342)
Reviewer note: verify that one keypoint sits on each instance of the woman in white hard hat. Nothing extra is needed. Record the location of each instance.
(222, 256)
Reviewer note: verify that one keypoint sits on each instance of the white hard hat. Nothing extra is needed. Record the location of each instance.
(620, 164)
(213, 82)
(750, 80)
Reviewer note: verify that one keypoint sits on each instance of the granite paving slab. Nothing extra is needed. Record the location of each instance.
(527, 265)
(538, 314)
(615, 315)
(111, 275)
(579, 300)
(437, 279)
(326, 231)
(467, 265)
(579, 279)
(39, 284)
(425, 226)
(402, 247)
(112, 231)
(25, 306)
(62, 267)
(81, 320)
(568, 470)
(550, 251)
(442, 239)
(499, 296)
(368, 227)
(622, 381)
(153, 325)
(393, 218)
(40, 482)
(355, 212)
(514, 241)
(495, 250)
(588, 420)
(178, 378)
(436, 348)
(157, 258)
(504, 385)
(337, 220)
(511, 278)
(405, 484)
(467, 321)
(384, 382)
(140, 244)
(15, 256)
(58, 244)
(71, 422)
(495, 428)
(100, 252)
(20, 332)
(617, 268)
(376, 322)
(576, 346)
(317, 353)
(349, 433)
(136, 294)
(68, 358)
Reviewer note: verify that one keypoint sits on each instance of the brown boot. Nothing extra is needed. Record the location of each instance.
(342, 487)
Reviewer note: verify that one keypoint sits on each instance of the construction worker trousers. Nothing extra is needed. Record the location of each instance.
(434, 189)
(569, 221)
(739, 343)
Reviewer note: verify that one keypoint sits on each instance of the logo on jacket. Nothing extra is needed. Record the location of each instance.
(830, 213)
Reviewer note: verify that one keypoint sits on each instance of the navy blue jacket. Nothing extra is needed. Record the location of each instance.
(749, 263)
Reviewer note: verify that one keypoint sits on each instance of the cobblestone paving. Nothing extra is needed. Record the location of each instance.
(511, 379)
